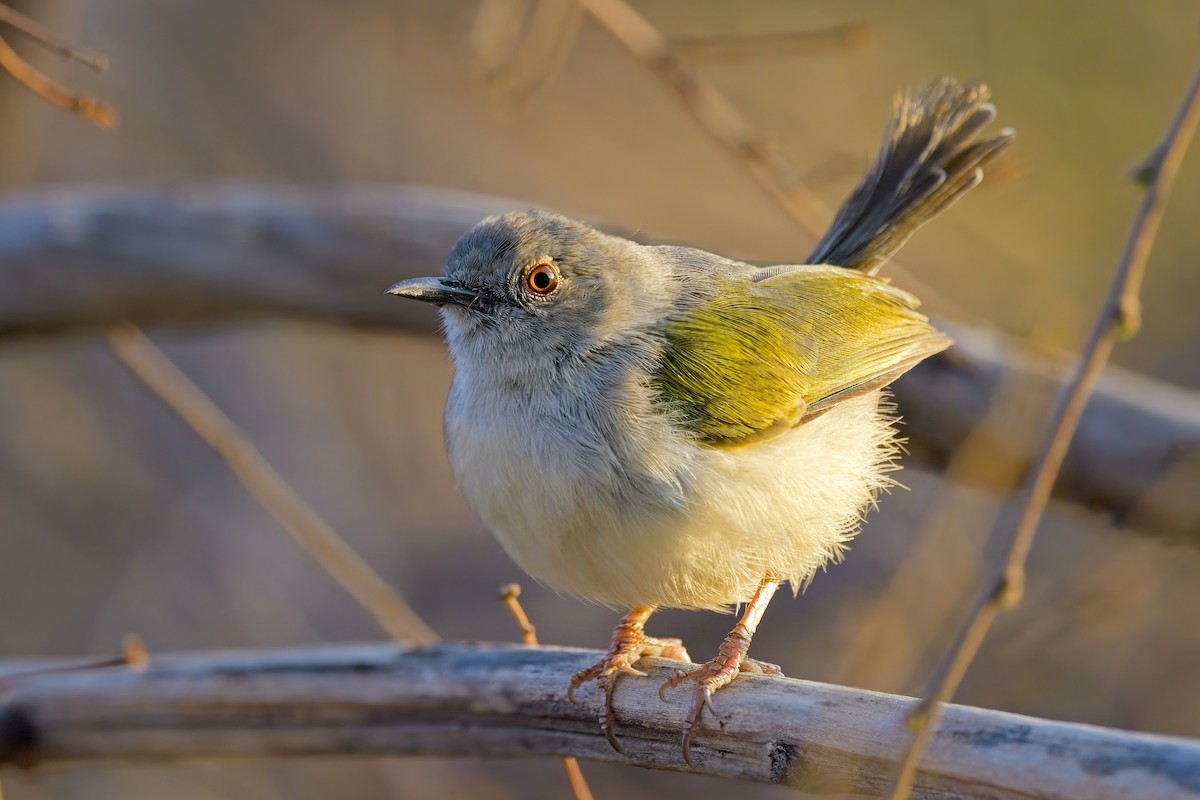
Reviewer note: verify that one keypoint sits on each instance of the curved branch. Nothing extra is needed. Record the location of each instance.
(76, 260)
(509, 701)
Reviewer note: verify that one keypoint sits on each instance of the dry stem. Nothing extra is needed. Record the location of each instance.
(176, 390)
(509, 595)
(714, 114)
(42, 85)
(1118, 318)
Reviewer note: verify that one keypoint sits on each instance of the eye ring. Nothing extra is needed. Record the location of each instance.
(542, 279)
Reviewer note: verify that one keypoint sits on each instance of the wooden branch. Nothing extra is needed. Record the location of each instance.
(77, 260)
(510, 701)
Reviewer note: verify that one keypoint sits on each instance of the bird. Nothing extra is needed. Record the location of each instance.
(652, 427)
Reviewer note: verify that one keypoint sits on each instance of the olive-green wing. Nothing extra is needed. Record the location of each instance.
(778, 346)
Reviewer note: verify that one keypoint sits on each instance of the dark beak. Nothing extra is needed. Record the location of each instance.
(435, 290)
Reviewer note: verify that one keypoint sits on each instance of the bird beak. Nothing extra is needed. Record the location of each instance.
(435, 290)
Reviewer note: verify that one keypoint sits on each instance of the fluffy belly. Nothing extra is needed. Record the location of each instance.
(782, 507)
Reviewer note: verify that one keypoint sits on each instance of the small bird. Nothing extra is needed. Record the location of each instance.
(660, 427)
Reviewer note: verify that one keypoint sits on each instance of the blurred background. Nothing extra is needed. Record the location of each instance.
(115, 518)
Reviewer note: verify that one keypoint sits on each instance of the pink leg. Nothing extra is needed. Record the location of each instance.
(731, 659)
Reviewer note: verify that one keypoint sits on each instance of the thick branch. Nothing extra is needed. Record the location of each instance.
(77, 260)
(508, 701)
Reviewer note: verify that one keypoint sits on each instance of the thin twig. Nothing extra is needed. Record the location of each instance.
(176, 390)
(46, 38)
(133, 655)
(42, 85)
(714, 114)
(1118, 319)
(853, 35)
(521, 51)
(509, 595)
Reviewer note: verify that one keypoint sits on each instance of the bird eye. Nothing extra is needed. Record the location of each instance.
(542, 279)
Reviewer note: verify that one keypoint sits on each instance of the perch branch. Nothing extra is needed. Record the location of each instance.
(77, 260)
(509, 701)
(1118, 318)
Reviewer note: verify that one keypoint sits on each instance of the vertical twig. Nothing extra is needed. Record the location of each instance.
(176, 390)
(509, 595)
(1119, 318)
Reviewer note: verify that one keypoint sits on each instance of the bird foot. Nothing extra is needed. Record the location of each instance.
(629, 644)
(731, 660)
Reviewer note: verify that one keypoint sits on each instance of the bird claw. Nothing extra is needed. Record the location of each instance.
(629, 645)
(711, 676)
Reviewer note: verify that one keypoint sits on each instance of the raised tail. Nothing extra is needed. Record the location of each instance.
(931, 155)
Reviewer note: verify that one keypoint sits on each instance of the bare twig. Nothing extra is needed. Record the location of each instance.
(42, 85)
(46, 38)
(1118, 319)
(133, 654)
(509, 595)
(481, 700)
(521, 48)
(183, 397)
(700, 50)
(713, 113)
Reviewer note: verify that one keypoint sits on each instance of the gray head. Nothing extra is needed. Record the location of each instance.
(538, 283)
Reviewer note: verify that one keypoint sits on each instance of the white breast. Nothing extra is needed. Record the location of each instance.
(619, 508)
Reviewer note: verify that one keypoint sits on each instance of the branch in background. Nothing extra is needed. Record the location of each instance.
(177, 392)
(1119, 317)
(42, 85)
(510, 701)
(77, 260)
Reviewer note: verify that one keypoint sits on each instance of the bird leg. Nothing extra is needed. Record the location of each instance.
(629, 643)
(731, 659)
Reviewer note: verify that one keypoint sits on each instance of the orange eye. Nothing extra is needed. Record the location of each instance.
(542, 279)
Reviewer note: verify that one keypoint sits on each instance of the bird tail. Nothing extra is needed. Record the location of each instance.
(931, 155)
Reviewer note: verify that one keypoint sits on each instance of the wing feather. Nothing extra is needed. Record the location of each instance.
(786, 343)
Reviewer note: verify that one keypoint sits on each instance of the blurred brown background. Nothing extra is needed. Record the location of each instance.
(116, 519)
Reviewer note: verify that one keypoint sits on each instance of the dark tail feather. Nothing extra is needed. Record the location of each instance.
(930, 157)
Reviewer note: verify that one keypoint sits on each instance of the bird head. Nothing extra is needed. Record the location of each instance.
(542, 289)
